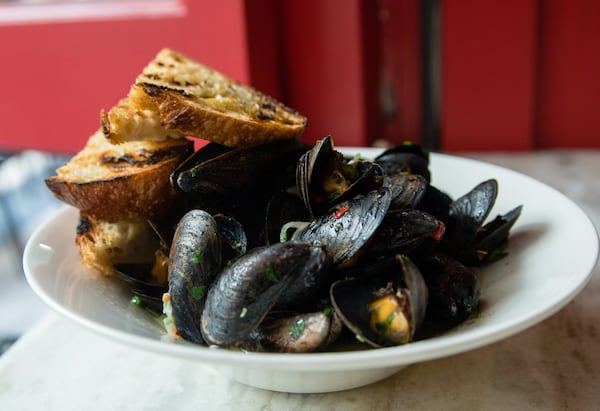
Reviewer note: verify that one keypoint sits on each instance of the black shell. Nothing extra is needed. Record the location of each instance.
(348, 227)
(194, 261)
(245, 291)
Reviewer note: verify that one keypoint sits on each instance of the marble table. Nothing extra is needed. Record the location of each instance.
(555, 365)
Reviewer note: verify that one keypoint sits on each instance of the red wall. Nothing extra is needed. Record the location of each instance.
(520, 74)
(569, 81)
(57, 76)
(515, 75)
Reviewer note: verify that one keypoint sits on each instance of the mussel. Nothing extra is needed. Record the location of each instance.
(383, 309)
(295, 333)
(454, 289)
(324, 177)
(348, 227)
(195, 259)
(402, 231)
(468, 238)
(246, 290)
(407, 158)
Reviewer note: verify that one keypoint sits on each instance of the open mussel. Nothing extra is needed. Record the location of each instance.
(407, 158)
(324, 177)
(468, 238)
(386, 308)
(295, 333)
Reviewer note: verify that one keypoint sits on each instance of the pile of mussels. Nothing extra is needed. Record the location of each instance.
(286, 247)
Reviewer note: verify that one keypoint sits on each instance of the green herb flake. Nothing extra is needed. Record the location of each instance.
(384, 326)
(271, 274)
(312, 223)
(244, 312)
(197, 256)
(339, 227)
(198, 292)
(136, 300)
(297, 329)
(328, 311)
(193, 172)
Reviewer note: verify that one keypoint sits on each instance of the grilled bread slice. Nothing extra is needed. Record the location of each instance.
(175, 96)
(114, 182)
(102, 244)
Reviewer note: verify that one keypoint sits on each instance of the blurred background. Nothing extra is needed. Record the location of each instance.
(454, 76)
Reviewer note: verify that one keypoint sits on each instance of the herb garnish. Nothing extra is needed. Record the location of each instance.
(271, 274)
(297, 329)
(198, 292)
(197, 256)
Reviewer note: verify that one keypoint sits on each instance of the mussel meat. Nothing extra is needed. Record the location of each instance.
(384, 309)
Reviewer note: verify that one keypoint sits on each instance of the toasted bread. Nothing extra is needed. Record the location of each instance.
(176, 96)
(102, 244)
(115, 182)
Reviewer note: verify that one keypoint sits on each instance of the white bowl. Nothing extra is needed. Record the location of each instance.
(538, 277)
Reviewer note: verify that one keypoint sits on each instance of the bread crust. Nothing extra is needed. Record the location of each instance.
(175, 96)
(115, 183)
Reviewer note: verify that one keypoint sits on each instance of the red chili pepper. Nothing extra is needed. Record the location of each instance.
(437, 235)
(339, 213)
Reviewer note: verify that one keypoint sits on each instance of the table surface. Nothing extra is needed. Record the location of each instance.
(554, 365)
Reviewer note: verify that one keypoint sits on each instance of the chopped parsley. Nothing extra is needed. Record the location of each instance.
(136, 300)
(271, 274)
(297, 329)
(385, 325)
(244, 312)
(197, 256)
(198, 292)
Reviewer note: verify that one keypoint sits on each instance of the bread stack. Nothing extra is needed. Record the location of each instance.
(120, 179)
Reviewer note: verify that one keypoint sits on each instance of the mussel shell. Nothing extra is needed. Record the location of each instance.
(241, 171)
(468, 212)
(402, 231)
(490, 241)
(141, 283)
(322, 163)
(302, 293)
(283, 207)
(233, 235)
(435, 202)
(454, 289)
(350, 298)
(407, 189)
(246, 290)
(348, 227)
(209, 151)
(194, 261)
(405, 158)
